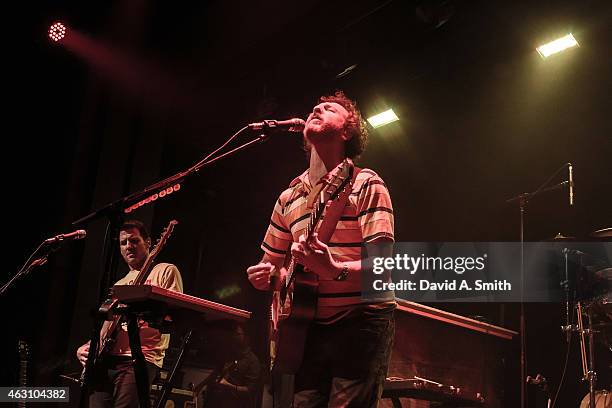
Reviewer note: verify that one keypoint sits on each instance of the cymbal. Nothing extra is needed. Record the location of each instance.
(604, 274)
(602, 233)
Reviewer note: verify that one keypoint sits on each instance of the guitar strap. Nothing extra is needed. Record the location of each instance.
(334, 211)
(316, 190)
(312, 196)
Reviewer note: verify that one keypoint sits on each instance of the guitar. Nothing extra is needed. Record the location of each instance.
(294, 300)
(24, 356)
(108, 338)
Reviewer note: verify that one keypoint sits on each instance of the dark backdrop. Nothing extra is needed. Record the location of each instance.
(483, 118)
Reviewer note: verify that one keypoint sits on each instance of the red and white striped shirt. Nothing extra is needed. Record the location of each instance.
(367, 216)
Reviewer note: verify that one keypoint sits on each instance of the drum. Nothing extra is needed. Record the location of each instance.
(601, 302)
(603, 399)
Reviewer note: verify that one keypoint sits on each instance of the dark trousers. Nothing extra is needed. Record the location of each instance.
(114, 384)
(345, 363)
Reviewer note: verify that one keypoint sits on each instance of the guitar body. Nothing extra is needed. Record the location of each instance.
(301, 302)
(108, 340)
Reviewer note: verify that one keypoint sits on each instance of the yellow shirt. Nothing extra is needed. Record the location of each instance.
(153, 343)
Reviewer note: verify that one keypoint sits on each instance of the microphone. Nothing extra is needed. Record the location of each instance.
(291, 125)
(571, 184)
(78, 234)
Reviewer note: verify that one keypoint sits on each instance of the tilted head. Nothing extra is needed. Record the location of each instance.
(336, 119)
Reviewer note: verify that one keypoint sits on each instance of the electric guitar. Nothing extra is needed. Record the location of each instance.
(294, 299)
(24, 356)
(108, 337)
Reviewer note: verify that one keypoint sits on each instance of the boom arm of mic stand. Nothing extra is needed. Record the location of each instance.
(525, 197)
(261, 138)
(119, 205)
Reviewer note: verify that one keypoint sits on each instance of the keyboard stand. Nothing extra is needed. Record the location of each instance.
(177, 364)
(140, 367)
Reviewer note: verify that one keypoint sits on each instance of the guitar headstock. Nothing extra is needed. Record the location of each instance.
(24, 350)
(163, 239)
(340, 180)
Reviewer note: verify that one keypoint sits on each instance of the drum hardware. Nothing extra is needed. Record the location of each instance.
(587, 354)
(576, 329)
(587, 301)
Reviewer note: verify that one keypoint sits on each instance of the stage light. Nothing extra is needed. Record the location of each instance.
(558, 45)
(383, 118)
(154, 197)
(57, 31)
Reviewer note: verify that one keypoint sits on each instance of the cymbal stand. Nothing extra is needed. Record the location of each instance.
(565, 284)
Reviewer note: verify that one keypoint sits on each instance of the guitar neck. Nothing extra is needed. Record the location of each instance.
(316, 214)
(146, 266)
(23, 377)
(143, 274)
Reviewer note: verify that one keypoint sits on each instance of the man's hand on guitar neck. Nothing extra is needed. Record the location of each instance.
(315, 256)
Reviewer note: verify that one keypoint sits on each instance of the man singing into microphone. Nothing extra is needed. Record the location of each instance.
(348, 345)
(114, 383)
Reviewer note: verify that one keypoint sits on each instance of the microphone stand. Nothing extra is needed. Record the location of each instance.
(34, 260)
(523, 200)
(115, 212)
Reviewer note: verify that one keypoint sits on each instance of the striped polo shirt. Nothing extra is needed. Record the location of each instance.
(368, 215)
